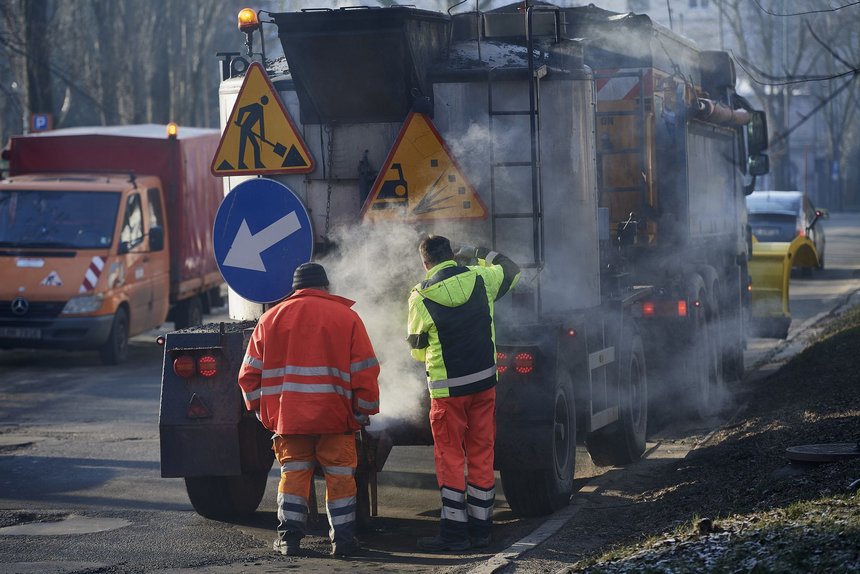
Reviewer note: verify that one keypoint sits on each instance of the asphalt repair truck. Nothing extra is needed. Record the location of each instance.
(105, 233)
(606, 155)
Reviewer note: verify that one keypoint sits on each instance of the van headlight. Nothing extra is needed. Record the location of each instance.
(83, 304)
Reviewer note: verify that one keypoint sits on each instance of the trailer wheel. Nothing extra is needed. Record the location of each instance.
(542, 491)
(115, 349)
(223, 497)
(623, 441)
(189, 313)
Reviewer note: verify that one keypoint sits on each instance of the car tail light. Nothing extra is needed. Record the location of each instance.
(185, 366)
(524, 363)
(501, 362)
(682, 308)
(207, 366)
(648, 309)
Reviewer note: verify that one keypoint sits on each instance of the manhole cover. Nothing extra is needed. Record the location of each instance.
(823, 452)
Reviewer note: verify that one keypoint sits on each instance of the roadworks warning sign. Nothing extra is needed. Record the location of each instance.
(420, 180)
(260, 137)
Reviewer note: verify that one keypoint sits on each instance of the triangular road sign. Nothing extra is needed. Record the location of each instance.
(420, 180)
(260, 137)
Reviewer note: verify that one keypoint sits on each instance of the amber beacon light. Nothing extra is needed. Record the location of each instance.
(248, 21)
(172, 130)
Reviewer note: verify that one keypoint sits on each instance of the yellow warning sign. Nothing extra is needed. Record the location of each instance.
(420, 180)
(260, 137)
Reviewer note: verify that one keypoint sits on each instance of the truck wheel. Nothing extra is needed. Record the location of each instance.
(543, 491)
(115, 349)
(189, 313)
(703, 359)
(623, 441)
(222, 497)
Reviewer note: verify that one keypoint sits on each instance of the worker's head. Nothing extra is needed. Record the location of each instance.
(434, 250)
(310, 276)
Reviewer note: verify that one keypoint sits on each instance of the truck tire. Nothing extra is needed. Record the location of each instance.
(542, 491)
(225, 497)
(115, 349)
(623, 441)
(188, 313)
(703, 358)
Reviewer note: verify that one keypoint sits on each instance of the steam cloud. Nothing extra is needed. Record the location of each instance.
(376, 265)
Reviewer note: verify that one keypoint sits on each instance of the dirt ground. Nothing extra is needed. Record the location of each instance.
(736, 503)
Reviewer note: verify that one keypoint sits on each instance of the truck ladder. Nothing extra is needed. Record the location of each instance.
(535, 73)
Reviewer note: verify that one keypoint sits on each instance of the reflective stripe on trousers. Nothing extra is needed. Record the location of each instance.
(298, 455)
(479, 507)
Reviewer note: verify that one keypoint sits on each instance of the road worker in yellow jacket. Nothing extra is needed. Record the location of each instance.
(451, 331)
(310, 374)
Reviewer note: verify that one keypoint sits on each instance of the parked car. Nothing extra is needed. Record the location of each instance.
(780, 216)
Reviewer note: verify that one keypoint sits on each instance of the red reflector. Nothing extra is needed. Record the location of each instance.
(648, 309)
(571, 332)
(207, 366)
(524, 363)
(184, 366)
(682, 308)
(501, 362)
(197, 409)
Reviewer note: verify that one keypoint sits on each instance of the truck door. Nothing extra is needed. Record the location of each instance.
(132, 252)
(157, 261)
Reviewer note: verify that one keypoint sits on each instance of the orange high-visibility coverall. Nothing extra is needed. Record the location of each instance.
(308, 371)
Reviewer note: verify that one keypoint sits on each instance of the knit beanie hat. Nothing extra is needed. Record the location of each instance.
(309, 275)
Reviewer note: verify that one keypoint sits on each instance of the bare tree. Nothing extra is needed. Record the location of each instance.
(799, 49)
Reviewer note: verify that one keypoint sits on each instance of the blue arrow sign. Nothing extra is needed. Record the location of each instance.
(262, 233)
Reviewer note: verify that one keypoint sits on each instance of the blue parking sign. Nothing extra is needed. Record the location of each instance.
(262, 233)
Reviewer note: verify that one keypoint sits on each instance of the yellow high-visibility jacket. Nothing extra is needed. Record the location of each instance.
(451, 323)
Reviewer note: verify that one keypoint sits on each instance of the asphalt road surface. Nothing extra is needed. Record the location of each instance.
(80, 485)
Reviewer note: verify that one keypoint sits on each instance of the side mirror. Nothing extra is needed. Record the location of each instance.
(757, 133)
(758, 164)
(156, 238)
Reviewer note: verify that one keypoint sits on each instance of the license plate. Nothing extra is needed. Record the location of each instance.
(766, 232)
(20, 333)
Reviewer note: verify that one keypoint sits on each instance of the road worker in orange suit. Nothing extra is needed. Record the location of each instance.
(310, 374)
(451, 331)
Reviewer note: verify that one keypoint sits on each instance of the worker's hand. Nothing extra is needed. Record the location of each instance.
(465, 255)
(362, 419)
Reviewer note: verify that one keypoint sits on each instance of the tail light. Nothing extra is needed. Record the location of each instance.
(524, 363)
(501, 362)
(191, 364)
(666, 308)
(185, 366)
(207, 366)
(515, 361)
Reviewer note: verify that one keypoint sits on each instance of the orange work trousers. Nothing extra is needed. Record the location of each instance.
(464, 436)
(299, 455)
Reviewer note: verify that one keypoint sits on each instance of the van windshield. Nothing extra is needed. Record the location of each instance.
(63, 219)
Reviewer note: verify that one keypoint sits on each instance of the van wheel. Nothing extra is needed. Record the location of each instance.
(189, 313)
(543, 491)
(115, 350)
(623, 441)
